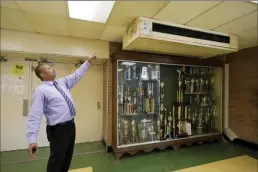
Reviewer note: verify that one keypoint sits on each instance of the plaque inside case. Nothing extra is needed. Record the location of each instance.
(158, 102)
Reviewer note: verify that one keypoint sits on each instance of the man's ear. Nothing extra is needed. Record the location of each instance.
(42, 76)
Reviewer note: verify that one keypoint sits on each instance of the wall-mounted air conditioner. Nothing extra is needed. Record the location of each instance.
(149, 35)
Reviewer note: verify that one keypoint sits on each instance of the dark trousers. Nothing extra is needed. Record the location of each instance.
(62, 139)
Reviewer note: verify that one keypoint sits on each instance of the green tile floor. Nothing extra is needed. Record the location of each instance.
(94, 155)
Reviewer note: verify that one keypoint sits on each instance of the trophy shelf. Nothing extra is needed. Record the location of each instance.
(163, 101)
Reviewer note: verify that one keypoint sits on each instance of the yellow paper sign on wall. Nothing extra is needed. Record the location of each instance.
(18, 69)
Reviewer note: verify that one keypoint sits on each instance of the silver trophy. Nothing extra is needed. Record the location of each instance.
(134, 73)
(133, 131)
(144, 75)
(199, 124)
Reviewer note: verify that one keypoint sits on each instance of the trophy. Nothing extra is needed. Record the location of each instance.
(126, 141)
(179, 73)
(134, 103)
(144, 137)
(189, 115)
(144, 75)
(128, 72)
(174, 123)
(161, 125)
(169, 125)
(134, 73)
(199, 124)
(125, 102)
(213, 117)
(159, 133)
(201, 86)
(213, 99)
(179, 120)
(133, 131)
(155, 73)
(120, 137)
(204, 101)
(192, 86)
(152, 102)
(165, 122)
(206, 85)
(129, 105)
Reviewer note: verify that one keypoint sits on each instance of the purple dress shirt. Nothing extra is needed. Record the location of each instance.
(49, 101)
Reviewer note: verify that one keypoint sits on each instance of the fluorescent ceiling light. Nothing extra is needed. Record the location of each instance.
(255, 2)
(95, 11)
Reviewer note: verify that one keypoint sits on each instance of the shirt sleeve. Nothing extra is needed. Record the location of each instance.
(71, 80)
(35, 116)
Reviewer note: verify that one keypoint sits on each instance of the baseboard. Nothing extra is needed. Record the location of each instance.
(230, 134)
(247, 144)
(108, 147)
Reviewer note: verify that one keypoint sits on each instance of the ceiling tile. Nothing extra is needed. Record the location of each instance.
(113, 33)
(223, 13)
(125, 12)
(85, 29)
(183, 11)
(248, 38)
(9, 4)
(48, 24)
(57, 8)
(239, 25)
(14, 19)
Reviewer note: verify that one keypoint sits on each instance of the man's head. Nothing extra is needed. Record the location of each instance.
(45, 72)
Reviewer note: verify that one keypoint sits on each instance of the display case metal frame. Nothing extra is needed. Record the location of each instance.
(162, 60)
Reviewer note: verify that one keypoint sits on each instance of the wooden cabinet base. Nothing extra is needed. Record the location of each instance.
(175, 144)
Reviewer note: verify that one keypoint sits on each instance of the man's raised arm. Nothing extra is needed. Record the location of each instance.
(71, 80)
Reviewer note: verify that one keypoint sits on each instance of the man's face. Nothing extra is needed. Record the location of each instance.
(48, 73)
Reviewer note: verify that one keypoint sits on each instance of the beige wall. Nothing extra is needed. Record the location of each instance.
(86, 94)
(48, 44)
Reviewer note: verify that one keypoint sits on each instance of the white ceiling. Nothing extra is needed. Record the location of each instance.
(51, 17)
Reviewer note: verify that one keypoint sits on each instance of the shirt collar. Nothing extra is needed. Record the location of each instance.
(48, 82)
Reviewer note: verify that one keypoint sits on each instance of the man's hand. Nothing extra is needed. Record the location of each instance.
(33, 149)
(93, 57)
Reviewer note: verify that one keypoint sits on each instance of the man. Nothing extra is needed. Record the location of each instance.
(53, 99)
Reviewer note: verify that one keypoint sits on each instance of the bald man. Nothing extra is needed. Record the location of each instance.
(53, 99)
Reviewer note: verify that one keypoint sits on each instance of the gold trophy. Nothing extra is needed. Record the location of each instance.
(129, 106)
(126, 141)
(186, 123)
(179, 120)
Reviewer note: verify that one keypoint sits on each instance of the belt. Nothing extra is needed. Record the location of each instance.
(66, 122)
(63, 123)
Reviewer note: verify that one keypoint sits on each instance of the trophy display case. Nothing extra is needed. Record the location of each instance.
(165, 105)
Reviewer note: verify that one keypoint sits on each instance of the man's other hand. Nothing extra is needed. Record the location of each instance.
(33, 149)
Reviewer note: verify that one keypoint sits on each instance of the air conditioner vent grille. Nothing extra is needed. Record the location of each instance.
(162, 28)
